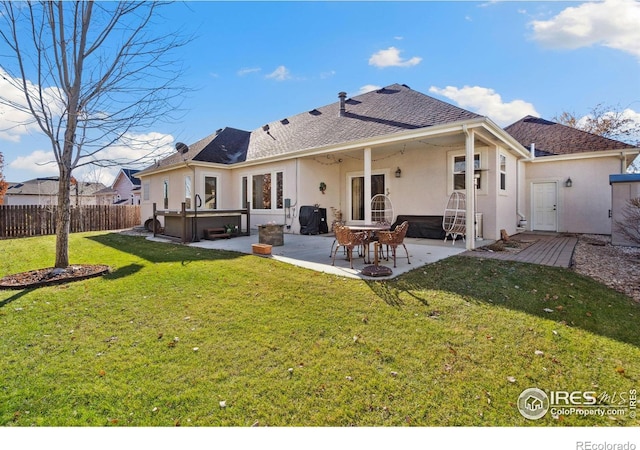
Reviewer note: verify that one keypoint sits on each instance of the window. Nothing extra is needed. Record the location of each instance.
(146, 186)
(245, 192)
(459, 166)
(503, 173)
(210, 192)
(187, 192)
(279, 189)
(263, 196)
(261, 191)
(357, 194)
(165, 194)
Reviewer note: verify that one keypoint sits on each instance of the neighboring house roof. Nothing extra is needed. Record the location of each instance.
(107, 191)
(37, 186)
(551, 138)
(49, 186)
(130, 174)
(389, 110)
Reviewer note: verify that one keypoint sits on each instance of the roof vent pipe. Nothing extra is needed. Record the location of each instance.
(532, 150)
(342, 96)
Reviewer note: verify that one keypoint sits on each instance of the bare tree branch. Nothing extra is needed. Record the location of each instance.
(100, 74)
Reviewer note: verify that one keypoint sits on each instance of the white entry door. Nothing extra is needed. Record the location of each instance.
(545, 206)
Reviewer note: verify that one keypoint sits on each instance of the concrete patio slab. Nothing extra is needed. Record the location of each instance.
(313, 252)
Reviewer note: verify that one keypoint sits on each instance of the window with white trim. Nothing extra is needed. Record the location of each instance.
(503, 172)
(187, 191)
(165, 194)
(211, 192)
(146, 187)
(459, 169)
(266, 195)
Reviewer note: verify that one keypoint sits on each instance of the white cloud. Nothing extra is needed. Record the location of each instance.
(611, 23)
(134, 151)
(247, 71)
(487, 102)
(280, 74)
(39, 162)
(15, 120)
(391, 58)
(368, 88)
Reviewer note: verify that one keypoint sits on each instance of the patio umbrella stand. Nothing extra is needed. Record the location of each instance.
(376, 270)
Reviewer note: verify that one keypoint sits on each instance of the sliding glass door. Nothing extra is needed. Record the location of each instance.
(357, 199)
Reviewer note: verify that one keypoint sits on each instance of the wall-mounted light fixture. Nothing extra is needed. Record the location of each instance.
(568, 183)
(398, 173)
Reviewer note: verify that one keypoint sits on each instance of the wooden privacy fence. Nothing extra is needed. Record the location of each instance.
(35, 220)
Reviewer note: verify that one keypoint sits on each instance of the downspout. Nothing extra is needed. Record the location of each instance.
(520, 191)
(469, 173)
(194, 198)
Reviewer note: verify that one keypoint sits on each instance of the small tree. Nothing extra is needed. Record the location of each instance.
(629, 226)
(3, 184)
(604, 120)
(607, 121)
(90, 74)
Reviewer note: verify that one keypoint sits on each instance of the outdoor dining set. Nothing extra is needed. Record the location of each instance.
(361, 237)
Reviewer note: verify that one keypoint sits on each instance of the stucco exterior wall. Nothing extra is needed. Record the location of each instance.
(585, 206)
(424, 187)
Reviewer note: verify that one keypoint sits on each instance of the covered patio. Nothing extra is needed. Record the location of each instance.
(313, 252)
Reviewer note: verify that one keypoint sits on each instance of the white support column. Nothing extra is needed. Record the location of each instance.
(367, 185)
(469, 172)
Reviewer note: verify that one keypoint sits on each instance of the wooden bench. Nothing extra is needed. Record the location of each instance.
(215, 233)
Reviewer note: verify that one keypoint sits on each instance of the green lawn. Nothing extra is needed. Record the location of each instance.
(174, 331)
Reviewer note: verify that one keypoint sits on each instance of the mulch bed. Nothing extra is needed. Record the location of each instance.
(50, 275)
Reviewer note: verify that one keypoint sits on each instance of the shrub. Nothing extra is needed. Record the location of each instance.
(629, 226)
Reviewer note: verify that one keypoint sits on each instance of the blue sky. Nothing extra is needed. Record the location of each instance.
(254, 62)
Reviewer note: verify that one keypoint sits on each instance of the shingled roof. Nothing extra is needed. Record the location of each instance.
(551, 138)
(382, 112)
(225, 146)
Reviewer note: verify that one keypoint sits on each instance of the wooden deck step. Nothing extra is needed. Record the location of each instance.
(215, 233)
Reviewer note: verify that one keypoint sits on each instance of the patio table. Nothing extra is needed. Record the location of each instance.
(370, 232)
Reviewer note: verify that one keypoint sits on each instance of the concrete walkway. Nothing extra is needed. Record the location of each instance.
(549, 249)
(313, 252)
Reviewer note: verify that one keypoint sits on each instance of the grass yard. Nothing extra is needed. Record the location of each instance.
(192, 337)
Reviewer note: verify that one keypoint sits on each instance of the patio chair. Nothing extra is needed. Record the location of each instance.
(454, 219)
(381, 209)
(394, 239)
(347, 239)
